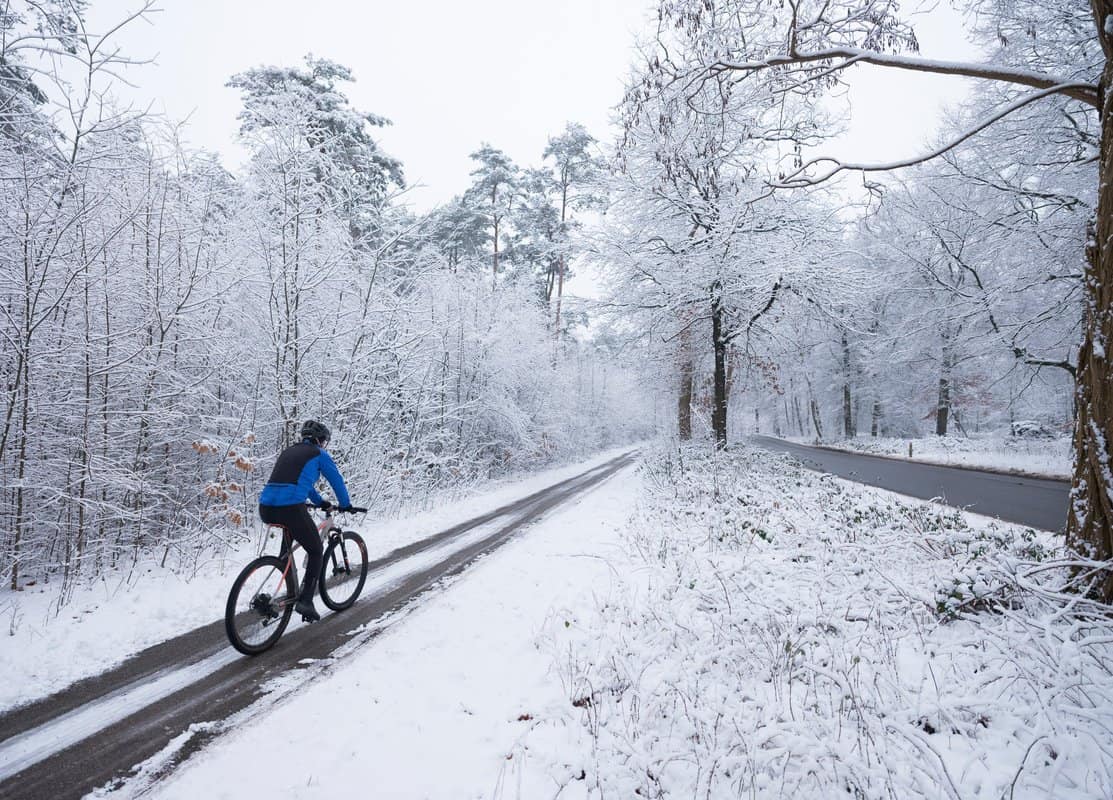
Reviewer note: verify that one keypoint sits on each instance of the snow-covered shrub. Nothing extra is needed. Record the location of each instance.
(779, 635)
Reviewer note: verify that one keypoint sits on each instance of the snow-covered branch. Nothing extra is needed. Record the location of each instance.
(1084, 92)
(799, 177)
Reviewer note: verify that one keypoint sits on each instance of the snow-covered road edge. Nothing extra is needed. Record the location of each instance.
(1044, 459)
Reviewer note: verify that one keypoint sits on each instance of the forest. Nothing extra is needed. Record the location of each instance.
(168, 323)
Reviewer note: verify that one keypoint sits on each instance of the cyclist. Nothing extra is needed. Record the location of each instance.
(282, 501)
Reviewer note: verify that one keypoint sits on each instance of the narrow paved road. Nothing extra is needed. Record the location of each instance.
(1038, 502)
(95, 732)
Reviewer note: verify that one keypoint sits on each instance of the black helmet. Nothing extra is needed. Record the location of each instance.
(316, 431)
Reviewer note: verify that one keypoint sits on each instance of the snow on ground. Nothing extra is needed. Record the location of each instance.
(29, 748)
(45, 650)
(789, 634)
(713, 626)
(438, 704)
(1039, 457)
(708, 625)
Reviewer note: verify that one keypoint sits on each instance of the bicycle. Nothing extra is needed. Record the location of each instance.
(263, 595)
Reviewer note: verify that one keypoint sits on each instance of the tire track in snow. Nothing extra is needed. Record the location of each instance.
(92, 733)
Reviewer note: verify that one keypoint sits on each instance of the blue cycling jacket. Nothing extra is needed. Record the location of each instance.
(297, 471)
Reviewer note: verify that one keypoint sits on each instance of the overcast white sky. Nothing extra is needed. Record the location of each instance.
(451, 74)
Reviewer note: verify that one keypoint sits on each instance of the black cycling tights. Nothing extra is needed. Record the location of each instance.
(297, 521)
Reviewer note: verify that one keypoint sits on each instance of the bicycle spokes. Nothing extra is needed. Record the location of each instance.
(262, 599)
(344, 572)
(259, 605)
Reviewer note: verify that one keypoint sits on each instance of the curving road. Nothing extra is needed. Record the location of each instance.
(1037, 502)
(169, 700)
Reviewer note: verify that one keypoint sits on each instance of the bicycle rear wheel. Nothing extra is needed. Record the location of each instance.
(260, 605)
(343, 571)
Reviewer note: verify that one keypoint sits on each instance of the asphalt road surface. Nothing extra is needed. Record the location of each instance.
(95, 732)
(1038, 502)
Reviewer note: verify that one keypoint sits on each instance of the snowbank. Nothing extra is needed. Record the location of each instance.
(788, 634)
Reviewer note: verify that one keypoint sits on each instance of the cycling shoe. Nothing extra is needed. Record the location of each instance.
(307, 610)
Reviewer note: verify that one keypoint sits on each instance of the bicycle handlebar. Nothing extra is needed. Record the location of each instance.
(337, 510)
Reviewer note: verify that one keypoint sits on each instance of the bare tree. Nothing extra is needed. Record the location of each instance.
(814, 43)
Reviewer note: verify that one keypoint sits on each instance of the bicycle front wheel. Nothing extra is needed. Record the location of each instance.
(259, 605)
(344, 570)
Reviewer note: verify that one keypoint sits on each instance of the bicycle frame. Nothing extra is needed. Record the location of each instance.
(254, 618)
(324, 529)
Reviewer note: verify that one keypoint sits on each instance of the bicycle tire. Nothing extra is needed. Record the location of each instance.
(253, 618)
(343, 571)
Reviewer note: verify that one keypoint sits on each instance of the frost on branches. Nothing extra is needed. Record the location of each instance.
(1037, 55)
(785, 634)
(168, 324)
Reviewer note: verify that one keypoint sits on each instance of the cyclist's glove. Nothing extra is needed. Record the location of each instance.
(325, 505)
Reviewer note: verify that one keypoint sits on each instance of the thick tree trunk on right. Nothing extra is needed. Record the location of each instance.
(1090, 519)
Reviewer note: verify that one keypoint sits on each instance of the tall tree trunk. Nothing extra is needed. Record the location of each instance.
(559, 297)
(875, 417)
(560, 262)
(813, 407)
(495, 224)
(1090, 519)
(20, 476)
(684, 396)
(24, 413)
(943, 406)
(550, 282)
(719, 407)
(87, 406)
(847, 407)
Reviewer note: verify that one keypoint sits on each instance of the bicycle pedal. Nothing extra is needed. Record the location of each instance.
(307, 618)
